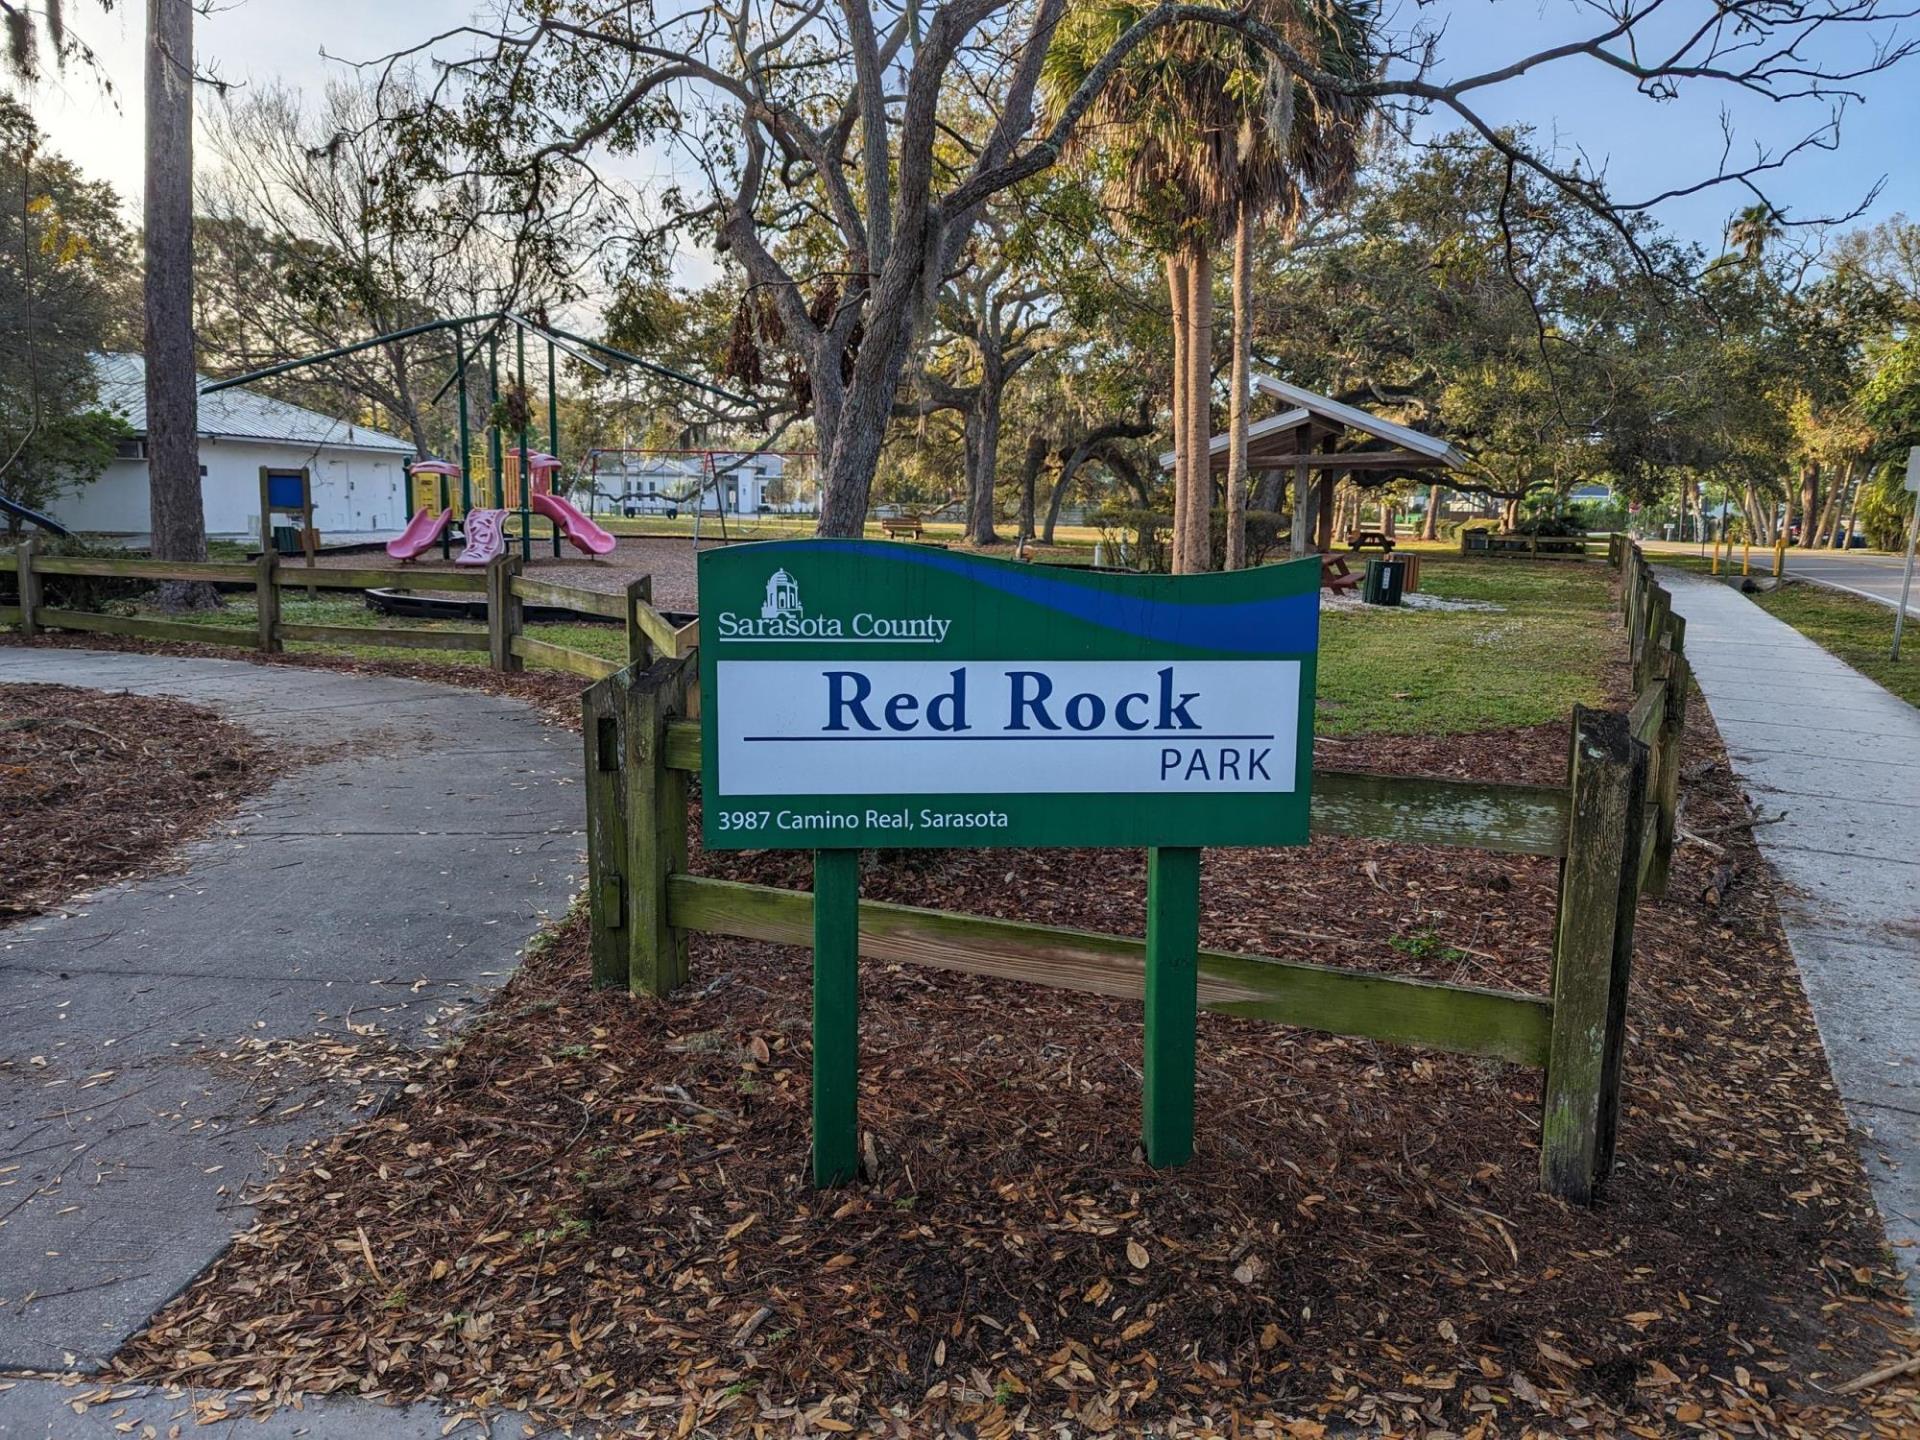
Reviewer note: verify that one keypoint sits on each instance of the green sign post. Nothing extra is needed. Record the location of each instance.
(861, 693)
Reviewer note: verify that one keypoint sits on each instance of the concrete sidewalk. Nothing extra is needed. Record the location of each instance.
(1813, 738)
(157, 1041)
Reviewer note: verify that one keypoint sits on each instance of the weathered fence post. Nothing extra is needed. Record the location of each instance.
(29, 584)
(266, 601)
(602, 723)
(1592, 953)
(639, 592)
(636, 825)
(1664, 783)
(656, 825)
(1656, 605)
(505, 612)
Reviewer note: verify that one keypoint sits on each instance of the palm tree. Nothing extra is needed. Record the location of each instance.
(1200, 135)
(1752, 231)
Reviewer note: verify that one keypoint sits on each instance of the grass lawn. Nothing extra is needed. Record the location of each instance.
(1385, 672)
(1859, 631)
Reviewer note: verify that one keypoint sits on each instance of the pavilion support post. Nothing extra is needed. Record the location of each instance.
(1303, 493)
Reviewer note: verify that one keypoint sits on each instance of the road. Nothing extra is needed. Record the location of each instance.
(1871, 576)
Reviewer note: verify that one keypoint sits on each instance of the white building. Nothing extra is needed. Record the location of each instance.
(636, 482)
(359, 475)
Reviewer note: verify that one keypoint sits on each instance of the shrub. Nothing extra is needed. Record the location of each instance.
(1551, 526)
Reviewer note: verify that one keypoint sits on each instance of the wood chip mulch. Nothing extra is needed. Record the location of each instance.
(598, 1207)
(97, 786)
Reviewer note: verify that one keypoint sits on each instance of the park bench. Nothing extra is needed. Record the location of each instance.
(898, 526)
(1369, 539)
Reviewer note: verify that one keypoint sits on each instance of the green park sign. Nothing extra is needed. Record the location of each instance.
(861, 694)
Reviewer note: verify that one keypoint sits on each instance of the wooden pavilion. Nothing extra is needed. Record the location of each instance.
(1317, 435)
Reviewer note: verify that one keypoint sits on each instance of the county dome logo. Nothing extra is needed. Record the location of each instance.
(783, 598)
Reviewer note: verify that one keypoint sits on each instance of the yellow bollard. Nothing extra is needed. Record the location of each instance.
(1780, 557)
(1713, 557)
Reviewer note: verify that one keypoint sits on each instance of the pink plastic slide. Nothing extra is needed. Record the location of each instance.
(486, 537)
(421, 531)
(576, 527)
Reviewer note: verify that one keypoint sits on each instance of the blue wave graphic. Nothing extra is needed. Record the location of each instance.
(1283, 625)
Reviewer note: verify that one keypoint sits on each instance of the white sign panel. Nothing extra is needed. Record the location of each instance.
(1005, 727)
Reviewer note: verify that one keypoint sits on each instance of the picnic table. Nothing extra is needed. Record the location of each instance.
(1369, 539)
(1336, 574)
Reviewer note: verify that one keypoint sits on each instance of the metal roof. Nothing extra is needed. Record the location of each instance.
(1307, 405)
(237, 414)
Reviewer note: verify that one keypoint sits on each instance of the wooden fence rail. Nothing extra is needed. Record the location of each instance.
(1610, 826)
(502, 639)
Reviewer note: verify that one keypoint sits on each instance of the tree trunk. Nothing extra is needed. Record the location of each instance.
(1809, 501)
(173, 440)
(1037, 448)
(1430, 527)
(1180, 297)
(409, 404)
(983, 428)
(1196, 548)
(1268, 489)
(1237, 418)
(1843, 535)
(1323, 528)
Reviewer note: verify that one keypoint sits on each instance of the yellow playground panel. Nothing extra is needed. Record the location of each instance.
(428, 493)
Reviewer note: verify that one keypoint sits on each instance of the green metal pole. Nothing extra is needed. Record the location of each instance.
(836, 1016)
(553, 406)
(553, 431)
(467, 469)
(1173, 978)
(526, 471)
(498, 499)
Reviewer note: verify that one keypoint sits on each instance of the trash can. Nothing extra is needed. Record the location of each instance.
(286, 539)
(1386, 581)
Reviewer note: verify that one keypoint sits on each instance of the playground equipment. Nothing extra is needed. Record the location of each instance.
(429, 522)
(20, 512)
(651, 480)
(508, 413)
(485, 526)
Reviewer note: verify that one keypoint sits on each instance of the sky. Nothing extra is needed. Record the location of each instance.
(1645, 146)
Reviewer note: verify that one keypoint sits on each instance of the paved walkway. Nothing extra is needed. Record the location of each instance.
(369, 897)
(1812, 737)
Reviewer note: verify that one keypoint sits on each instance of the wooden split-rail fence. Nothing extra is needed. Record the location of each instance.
(503, 638)
(1611, 827)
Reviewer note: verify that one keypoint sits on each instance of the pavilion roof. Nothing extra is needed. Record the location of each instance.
(1289, 438)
